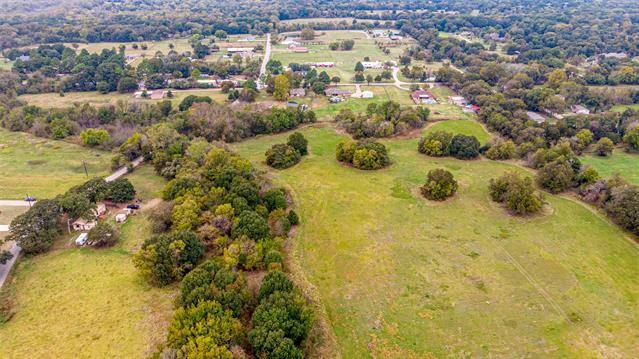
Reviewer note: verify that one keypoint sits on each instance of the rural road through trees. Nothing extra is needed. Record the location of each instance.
(267, 55)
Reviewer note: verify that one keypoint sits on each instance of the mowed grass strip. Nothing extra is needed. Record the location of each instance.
(54, 100)
(401, 277)
(45, 168)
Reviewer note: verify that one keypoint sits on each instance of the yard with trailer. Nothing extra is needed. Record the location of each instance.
(86, 300)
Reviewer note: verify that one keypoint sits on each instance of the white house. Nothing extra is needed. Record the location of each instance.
(367, 94)
(579, 110)
(239, 49)
(372, 64)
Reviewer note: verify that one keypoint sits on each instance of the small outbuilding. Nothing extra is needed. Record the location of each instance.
(121, 217)
(298, 92)
(82, 224)
(367, 94)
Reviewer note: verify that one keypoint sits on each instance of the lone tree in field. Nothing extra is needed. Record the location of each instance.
(440, 184)
(365, 155)
(604, 147)
(464, 147)
(307, 34)
(298, 142)
(516, 192)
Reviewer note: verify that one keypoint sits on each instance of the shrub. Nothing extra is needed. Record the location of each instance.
(464, 147)
(365, 155)
(556, 176)
(274, 281)
(604, 147)
(502, 150)
(206, 320)
(213, 281)
(623, 207)
(274, 198)
(588, 176)
(298, 142)
(191, 99)
(516, 192)
(440, 184)
(103, 234)
(293, 218)
(278, 223)
(435, 144)
(631, 138)
(252, 225)
(168, 257)
(94, 137)
(282, 156)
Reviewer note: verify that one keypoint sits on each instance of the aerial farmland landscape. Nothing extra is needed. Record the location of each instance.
(319, 179)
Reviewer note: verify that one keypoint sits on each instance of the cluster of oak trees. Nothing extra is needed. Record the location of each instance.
(216, 206)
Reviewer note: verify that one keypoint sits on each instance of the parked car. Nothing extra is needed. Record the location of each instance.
(30, 199)
(133, 206)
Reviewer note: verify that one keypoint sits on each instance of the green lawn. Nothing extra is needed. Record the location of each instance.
(146, 182)
(44, 168)
(401, 277)
(622, 108)
(624, 163)
(53, 100)
(83, 302)
(345, 61)
(464, 127)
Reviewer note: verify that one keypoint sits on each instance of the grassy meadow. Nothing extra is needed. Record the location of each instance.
(345, 61)
(83, 302)
(44, 168)
(402, 277)
(94, 98)
(464, 127)
(621, 162)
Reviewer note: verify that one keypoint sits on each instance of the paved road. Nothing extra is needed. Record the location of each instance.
(4, 228)
(6, 268)
(13, 203)
(267, 55)
(124, 170)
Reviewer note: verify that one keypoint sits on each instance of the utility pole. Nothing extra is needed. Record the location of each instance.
(86, 172)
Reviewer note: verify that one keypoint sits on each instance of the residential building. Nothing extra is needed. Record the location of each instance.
(423, 97)
(334, 91)
(458, 100)
(372, 64)
(81, 224)
(235, 50)
(535, 116)
(579, 110)
(367, 94)
(298, 92)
